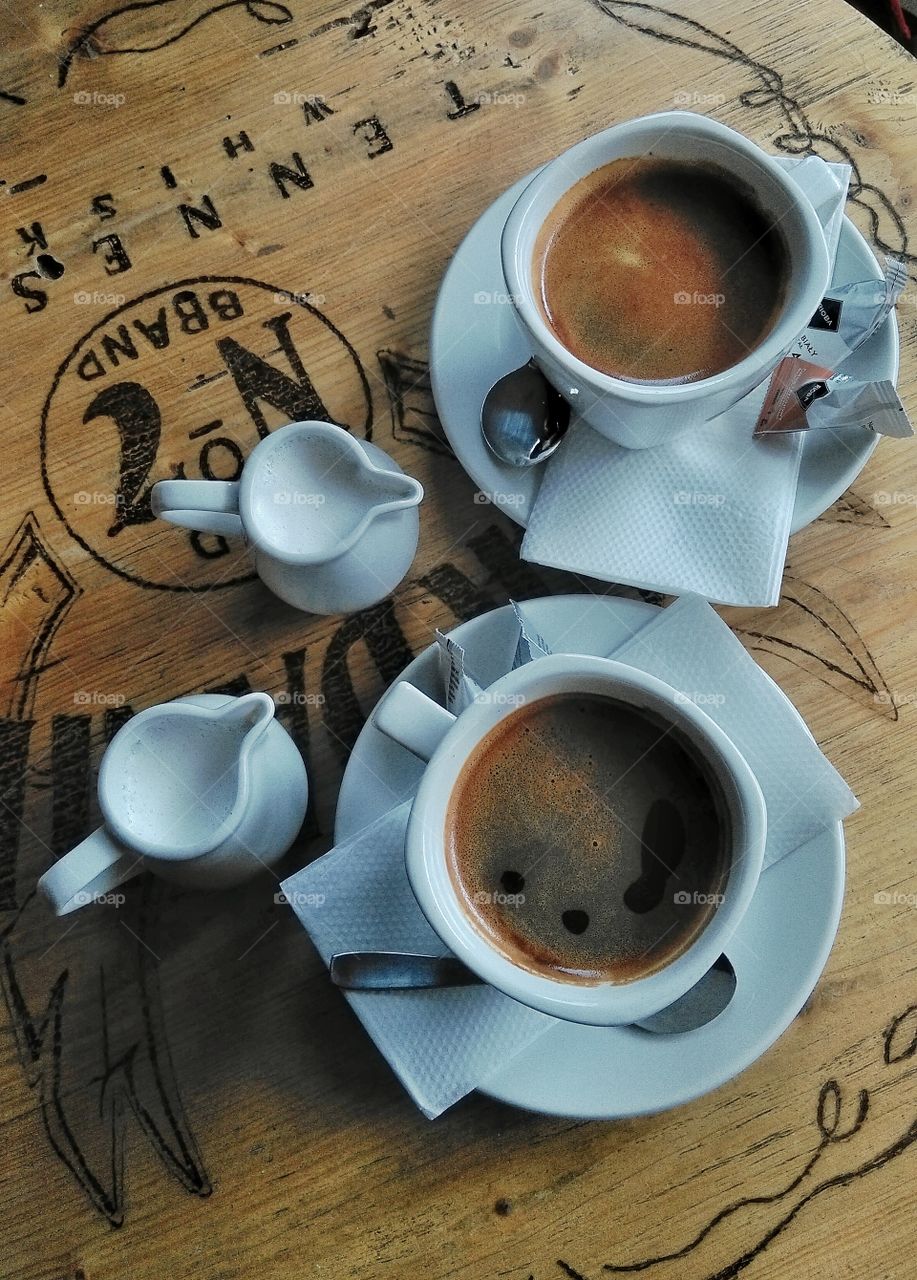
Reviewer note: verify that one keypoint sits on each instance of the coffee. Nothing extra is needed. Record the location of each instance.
(586, 840)
(659, 270)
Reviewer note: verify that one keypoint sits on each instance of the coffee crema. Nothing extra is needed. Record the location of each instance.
(656, 270)
(586, 840)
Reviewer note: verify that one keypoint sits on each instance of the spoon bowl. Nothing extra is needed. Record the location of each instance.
(524, 418)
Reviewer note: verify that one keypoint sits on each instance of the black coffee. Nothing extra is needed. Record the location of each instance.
(658, 270)
(586, 839)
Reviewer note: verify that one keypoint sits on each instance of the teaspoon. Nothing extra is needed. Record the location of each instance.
(404, 971)
(523, 418)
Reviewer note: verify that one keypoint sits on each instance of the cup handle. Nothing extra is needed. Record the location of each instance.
(410, 718)
(91, 869)
(209, 506)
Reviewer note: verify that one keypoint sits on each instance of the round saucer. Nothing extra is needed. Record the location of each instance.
(475, 339)
(778, 951)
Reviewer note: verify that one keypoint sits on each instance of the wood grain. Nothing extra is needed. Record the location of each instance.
(242, 186)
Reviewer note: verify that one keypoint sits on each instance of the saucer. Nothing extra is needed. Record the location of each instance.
(778, 951)
(475, 339)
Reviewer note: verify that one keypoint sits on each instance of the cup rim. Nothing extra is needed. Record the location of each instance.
(604, 1003)
(764, 357)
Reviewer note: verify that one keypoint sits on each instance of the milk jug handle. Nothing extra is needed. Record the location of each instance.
(89, 870)
(209, 506)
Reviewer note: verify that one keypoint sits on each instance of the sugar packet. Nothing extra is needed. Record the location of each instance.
(809, 390)
(807, 397)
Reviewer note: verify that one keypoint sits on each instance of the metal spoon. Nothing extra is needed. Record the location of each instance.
(705, 1000)
(397, 971)
(523, 418)
(403, 971)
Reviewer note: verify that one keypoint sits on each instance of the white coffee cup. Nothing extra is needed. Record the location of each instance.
(412, 719)
(642, 414)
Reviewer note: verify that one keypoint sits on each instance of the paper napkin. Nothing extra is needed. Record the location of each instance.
(709, 513)
(690, 647)
(444, 1043)
(440, 1043)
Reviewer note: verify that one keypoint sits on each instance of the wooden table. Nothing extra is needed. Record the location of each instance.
(241, 219)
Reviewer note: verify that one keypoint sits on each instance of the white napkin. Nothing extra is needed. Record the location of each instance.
(444, 1043)
(709, 513)
(441, 1043)
(690, 647)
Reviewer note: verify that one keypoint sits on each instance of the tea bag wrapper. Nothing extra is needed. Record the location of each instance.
(809, 390)
(842, 401)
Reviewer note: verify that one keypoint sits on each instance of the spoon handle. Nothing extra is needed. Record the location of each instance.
(397, 971)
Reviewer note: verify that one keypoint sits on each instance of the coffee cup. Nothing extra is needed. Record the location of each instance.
(636, 412)
(447, 743)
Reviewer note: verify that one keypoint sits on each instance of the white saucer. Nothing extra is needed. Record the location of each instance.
(472, 344)
(778, 951)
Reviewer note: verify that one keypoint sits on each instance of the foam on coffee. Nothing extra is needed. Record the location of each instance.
(586, 840)
(660, 271)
